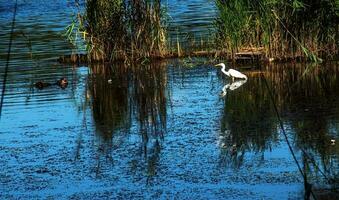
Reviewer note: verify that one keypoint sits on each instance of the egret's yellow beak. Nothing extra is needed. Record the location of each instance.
(217, 65)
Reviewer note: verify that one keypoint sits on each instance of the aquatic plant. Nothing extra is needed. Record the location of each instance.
(124, 30)
(130, 30)
(286, 29)
(136, 30)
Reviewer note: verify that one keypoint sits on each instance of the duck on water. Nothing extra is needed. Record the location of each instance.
(62, 83)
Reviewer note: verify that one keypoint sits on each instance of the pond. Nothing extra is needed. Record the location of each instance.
(173, 129)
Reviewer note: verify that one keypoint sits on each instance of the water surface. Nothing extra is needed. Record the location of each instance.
(167, 130)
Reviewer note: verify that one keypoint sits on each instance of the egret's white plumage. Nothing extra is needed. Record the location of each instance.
(231, 72)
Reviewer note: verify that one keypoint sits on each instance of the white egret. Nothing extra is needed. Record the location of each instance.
(231, 72)
(333, 142)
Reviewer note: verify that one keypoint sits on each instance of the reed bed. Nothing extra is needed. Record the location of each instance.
(123, 29)
(130, 31)
(137, 30)
(285, 29)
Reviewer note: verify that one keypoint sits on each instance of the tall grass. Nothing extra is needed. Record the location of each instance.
(124, 29)
(137, 29)
(286, 29)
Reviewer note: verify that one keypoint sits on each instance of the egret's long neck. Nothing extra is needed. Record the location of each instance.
(223, 69)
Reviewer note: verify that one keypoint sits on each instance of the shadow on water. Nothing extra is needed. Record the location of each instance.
(136, 101)
(124, 96)
(248, 123)
(164, 126)
(306, 97)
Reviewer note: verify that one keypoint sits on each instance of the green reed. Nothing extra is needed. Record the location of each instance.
(130, 30)
(124, 30)
(286, 29)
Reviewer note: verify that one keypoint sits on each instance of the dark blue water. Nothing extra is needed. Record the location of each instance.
(162, 131)
(191, 20)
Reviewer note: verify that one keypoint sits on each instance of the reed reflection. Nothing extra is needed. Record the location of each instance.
(109, 102)
(307, 99)
(305, 96)
(134, 98)
(248, 123)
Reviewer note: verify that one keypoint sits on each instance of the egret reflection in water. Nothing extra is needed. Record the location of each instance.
(233, 86)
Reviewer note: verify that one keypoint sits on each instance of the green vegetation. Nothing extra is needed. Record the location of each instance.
(286, 29)
(133, 30)
(122, 30)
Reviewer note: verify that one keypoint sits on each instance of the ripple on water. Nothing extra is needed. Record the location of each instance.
(72, 143)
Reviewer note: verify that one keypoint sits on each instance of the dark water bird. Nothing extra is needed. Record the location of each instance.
(231, 72)
(62, 83)
(41, 85)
